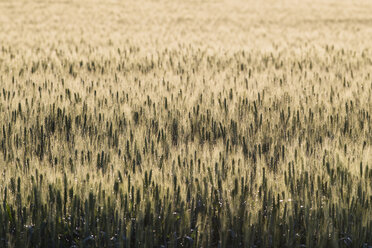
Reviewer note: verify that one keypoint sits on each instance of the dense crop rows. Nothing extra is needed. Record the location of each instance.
(110, 137)
(186, 148)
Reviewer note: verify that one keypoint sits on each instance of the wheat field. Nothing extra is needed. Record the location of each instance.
(185, 123)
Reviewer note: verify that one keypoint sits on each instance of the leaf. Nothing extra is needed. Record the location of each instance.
(9, 212)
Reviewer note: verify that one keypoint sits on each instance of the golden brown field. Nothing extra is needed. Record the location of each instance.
(185, 123)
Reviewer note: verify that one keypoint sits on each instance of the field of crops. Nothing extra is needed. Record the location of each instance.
(186, 123)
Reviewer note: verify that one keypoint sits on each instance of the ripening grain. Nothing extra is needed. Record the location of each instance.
(185, 124)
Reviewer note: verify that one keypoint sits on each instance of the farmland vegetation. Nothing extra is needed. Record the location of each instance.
(185, 124)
